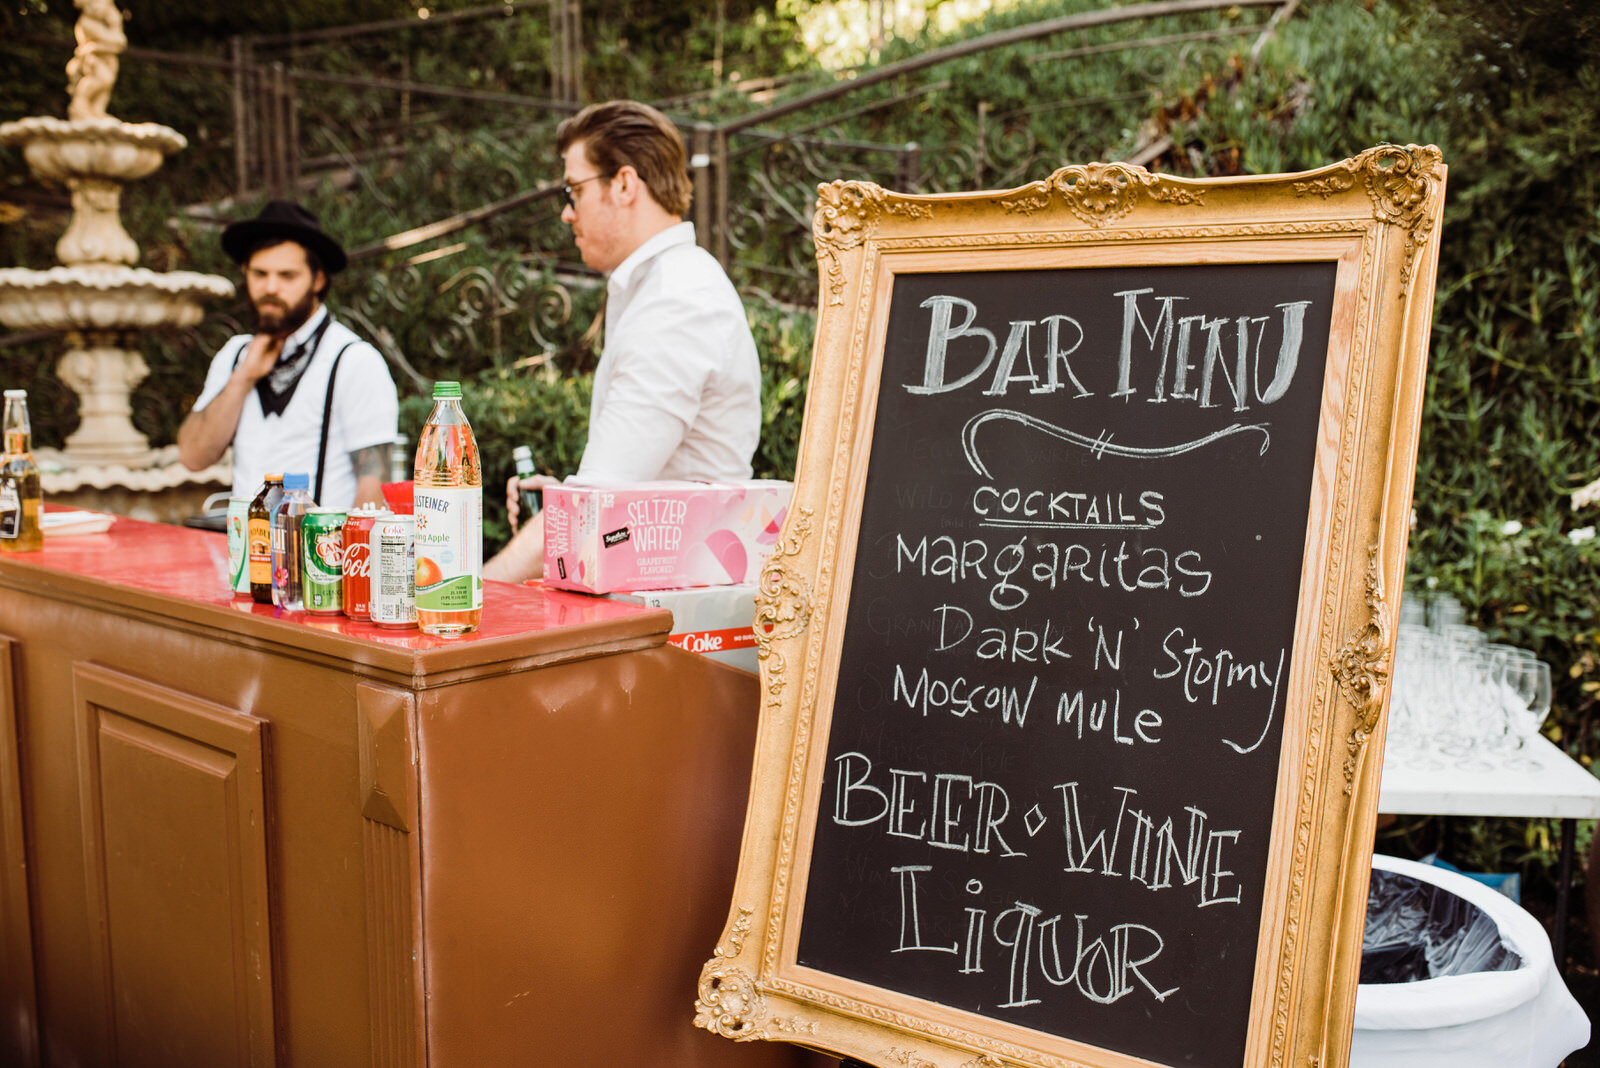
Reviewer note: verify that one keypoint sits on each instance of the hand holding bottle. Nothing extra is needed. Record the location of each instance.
(517, 487)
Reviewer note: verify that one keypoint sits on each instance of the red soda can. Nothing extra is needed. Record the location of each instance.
(357, 561)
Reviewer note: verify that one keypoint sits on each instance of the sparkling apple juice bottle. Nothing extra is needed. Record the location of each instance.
(448, 500)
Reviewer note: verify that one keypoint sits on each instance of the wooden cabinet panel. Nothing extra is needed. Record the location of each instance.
(174, 811)
(385, 719)
(18, 994)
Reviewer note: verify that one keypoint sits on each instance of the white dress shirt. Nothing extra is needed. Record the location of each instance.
(366, 412)
(677, 394)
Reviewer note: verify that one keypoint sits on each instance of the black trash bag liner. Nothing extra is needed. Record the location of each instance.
(1416, 930)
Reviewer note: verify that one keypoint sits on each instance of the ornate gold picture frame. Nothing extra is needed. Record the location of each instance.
(1075, 642)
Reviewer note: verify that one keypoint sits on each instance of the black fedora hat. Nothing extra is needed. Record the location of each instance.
(286, 220)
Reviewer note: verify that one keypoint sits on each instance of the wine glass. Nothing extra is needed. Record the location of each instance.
(1416, 709)
(1530, 680)
(1445, 611)
(1481, 723)
(1507, 706)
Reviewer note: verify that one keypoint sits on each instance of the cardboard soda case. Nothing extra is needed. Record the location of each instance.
(714, 621)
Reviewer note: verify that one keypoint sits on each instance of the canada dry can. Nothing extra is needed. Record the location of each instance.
(239, 544)
(358, 560)
(393, 563)
(322, 569)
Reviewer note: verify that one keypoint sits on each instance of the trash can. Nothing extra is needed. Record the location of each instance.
(1454, 974)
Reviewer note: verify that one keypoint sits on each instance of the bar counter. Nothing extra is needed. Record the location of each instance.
(235, 835)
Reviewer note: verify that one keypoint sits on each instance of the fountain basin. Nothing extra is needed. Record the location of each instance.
(105, 298)
(59, 150)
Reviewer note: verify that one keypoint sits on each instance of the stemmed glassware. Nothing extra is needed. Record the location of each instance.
(1458, 698)
(1529, 681)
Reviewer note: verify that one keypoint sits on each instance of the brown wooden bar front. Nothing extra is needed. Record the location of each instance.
(235, 836)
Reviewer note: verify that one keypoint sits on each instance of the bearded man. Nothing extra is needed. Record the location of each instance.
(304, 392)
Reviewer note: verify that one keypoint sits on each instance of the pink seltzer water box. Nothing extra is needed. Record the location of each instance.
(656, 535)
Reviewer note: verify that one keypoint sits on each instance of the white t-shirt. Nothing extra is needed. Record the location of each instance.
(677, 394)
(366, 412)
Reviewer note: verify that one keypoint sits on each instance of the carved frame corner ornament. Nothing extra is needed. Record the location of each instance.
(1099, 193)
(1362, 669)
(729, 1003)
(783, 601)
(1401, 181)
(847, 215)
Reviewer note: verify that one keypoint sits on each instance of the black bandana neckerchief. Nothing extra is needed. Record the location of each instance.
(277, 386)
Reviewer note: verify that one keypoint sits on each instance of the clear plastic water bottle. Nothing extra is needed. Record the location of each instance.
(448, 501)
(287, 582)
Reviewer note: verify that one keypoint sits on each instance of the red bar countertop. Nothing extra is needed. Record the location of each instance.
(181, 573)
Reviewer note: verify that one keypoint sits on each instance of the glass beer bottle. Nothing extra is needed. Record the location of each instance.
(258, 538)
(532, 502)
(21, 497)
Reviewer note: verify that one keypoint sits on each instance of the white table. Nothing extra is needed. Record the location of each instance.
(1540, 781)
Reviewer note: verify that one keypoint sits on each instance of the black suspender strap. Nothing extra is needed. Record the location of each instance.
(327, 419)
(239, 353)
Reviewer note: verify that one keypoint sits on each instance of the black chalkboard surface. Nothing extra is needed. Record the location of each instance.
(1054, 742)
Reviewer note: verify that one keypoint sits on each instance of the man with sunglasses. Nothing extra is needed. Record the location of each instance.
(677, 393)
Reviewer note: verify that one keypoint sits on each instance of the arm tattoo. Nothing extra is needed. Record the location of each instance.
(371, 462)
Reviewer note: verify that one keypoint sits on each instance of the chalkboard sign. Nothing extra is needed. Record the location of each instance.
(1074, 646)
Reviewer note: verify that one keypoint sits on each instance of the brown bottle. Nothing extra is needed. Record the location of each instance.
(21, 497)
(258, 538)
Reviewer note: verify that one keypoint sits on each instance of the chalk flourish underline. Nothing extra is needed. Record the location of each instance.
(1098, 446)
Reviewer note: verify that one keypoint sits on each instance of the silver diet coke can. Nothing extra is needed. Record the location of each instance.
(393, 566)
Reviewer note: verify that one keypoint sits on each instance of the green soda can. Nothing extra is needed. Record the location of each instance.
(323, 571)
(238, 545)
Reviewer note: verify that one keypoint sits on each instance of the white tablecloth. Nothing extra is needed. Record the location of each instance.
(1539, 780)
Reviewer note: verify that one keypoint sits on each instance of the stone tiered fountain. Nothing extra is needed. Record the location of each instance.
(97, 298)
